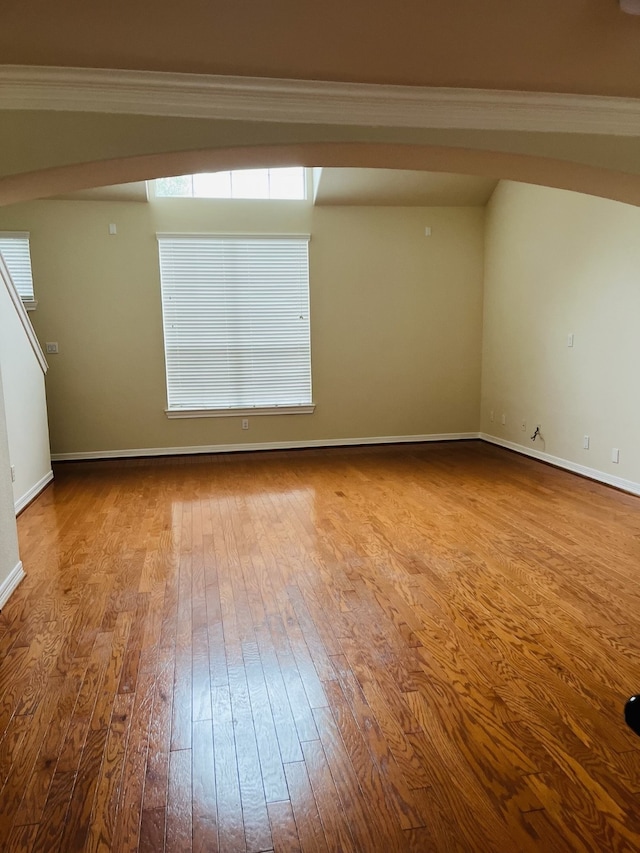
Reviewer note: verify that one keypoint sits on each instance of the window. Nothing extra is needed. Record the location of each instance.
(236, 324)
(286, 183)
(14, 246)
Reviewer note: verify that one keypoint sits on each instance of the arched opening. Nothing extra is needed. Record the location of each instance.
(544, 171)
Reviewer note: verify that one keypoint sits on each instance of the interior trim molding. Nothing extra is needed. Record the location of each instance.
(160, 93)
(32, 493)
(249, 412)
(10, 583)
(264, 445)
(558, 462)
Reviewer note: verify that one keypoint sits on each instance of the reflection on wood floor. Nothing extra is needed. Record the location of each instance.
(421, 648)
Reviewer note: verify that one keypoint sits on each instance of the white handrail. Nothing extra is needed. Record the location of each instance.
(21, 311)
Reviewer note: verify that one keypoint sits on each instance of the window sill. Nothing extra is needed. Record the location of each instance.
(252, 411)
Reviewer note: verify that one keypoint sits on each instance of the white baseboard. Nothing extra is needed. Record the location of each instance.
(10, 583)
(33, 492)
(265, 445)
(558, 462)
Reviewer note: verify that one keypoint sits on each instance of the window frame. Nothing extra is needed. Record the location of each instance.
(244, 410)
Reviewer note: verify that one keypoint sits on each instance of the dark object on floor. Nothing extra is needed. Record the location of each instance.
(632, 713)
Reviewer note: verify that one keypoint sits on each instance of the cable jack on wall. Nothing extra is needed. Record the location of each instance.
(536, 434)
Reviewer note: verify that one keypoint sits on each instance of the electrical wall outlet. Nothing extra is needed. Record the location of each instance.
(13, 473)
(51, 347)
(503, 419)
(491, 416)
(245, 423)
(615, 455)
(585, 442)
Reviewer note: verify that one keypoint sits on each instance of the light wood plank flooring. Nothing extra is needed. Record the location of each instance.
(420, 648)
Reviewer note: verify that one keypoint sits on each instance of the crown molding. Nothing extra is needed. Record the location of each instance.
(157, 93)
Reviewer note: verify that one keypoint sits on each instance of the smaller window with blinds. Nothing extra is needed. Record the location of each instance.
(14, 247)
(236, 324)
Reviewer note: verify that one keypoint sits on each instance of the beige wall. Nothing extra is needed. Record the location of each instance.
(559, 263)
(396, 320)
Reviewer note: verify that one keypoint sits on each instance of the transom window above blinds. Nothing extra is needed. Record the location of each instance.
(236, 324)
(281, 183)
(14, 246)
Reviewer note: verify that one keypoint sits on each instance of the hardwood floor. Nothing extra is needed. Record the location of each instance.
(421, 648)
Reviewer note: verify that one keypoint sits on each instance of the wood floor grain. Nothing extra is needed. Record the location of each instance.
(418, 648)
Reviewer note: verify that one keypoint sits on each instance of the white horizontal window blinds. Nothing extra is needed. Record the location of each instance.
(15, 251)
(236, 321)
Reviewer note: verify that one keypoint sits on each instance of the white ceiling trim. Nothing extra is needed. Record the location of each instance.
(311, 102)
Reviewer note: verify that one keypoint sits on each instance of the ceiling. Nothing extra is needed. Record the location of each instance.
(388, 187)
(577, 46)
(371, 187)
(64, 132)
(134, 191)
